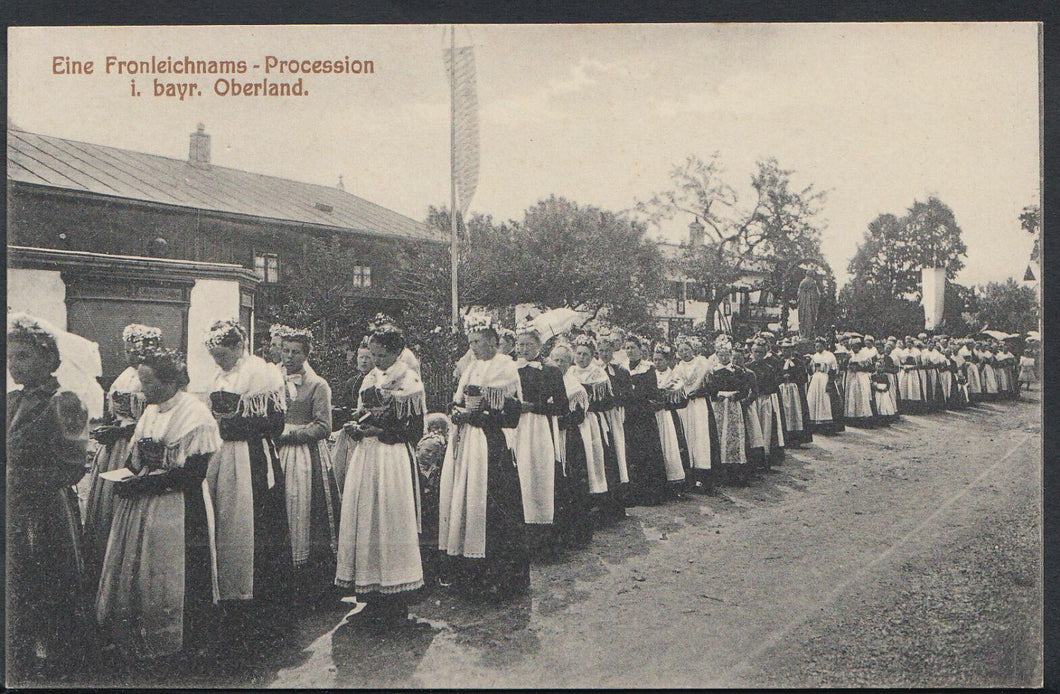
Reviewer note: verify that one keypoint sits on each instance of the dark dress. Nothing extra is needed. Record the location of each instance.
(756, 454)
(644, 456)
(767, 380)
(505, 570)
(794, 372)
(345, 401)
(545, 394)
(573, 523)
(622, 390)
(46, 449)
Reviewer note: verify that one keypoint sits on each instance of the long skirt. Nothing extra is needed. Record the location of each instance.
(823, 403)
(671, 446)
(1028, 373)
(911, 396)
(797, 429)
(45, 579)
(616, 418)
(100, 507)
(946, 382)
(732, 432)
(573, 525)
(989, 381)
(480, 515)
(644, 457)
(596, 434)
(340, 458)
(1004, 382)
(379, 549)
(252, 537)
(535, 457)
(858, 411)
(696, 420)
(159, 577)
(312, 506)
(936, 398)
(756, 440)
(614, 492)
(975, 384)
(770, 416)
(886, 407)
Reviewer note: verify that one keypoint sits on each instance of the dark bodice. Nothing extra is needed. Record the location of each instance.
(543, 391)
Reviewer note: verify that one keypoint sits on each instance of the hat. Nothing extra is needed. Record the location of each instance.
(477, 322)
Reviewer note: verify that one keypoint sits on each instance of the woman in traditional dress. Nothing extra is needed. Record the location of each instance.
(1006, 371)
(430, 453)
(379, 550)
(822, 398)
(621, 388)
(883, 401)
(697, 419)
(47, 433)
(245, 479)
(959, 391)
(859, 410)
(312, 493)
(573, 521)
(792, 394)
(644, 449)
(946, 378)
(766, 403)
(124, 404)
(159, 577)
(537, 450)
(344, 442)
(911, 398)
(988, 371)
(968, 364)
(1028, 371)
(729, 392)
(671, 437)
(604, 472)
(756, 444)
(480, 517)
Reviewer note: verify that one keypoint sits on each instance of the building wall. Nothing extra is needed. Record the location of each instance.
(211, 300)
(41, 293)
(38, 217)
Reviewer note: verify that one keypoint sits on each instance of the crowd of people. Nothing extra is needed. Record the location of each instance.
(270, 494)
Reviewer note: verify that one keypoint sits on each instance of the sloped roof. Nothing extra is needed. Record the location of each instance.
(675, 251)
(55, 162)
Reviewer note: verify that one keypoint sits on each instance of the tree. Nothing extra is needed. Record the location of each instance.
(760, 246)
(869, 310)
(957, 309)
(894, 250)
(1007, 306)
(562, 255)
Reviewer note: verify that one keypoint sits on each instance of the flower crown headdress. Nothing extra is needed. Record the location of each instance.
(279, 330)
(476, 322)
(722, 341)
(23, 327)
(223, 329)
(528, 327)
(584, 340)
(141, 336)
(663, 349)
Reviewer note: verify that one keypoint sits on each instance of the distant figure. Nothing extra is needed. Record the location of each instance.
(809, 300)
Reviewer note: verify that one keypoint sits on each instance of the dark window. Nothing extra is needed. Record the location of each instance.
(267, 267)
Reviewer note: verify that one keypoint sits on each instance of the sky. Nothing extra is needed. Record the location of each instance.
(877, 115)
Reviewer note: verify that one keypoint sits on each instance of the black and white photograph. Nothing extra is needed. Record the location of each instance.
(687, 355)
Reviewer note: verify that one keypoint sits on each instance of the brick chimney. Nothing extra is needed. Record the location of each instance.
(695, 233)
(199, 147)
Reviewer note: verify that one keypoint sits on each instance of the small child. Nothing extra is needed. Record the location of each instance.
(430, 453)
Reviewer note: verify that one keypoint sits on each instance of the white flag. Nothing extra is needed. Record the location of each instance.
(465, 115)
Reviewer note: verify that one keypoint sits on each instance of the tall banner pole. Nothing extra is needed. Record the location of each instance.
(453, 250)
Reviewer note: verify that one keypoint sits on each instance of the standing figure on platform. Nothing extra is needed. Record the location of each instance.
(480, 517)
(47, 434)
(809, 299)
(124, 404)
(537, 454)
(245, 480)
(379, 547)
(158, 584)
(312, 493)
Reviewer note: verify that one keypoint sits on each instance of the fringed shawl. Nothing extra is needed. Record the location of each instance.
(128, 382)
(576, 395)
(401, 387)
(643, 366)
(184, 424)
(497, 377)
(594, 379)
(258, 384)
(691, 372)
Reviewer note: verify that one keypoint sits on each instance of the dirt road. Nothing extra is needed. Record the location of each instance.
(906, 556)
